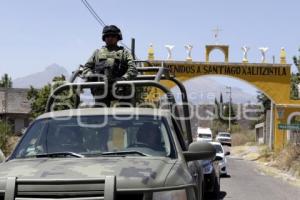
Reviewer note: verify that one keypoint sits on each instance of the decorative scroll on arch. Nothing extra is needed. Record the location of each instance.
(223, 48)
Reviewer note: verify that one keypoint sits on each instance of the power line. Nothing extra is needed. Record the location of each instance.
(98, 19)
(92, 11)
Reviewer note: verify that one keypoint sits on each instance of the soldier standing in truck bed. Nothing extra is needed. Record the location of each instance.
(113, 61)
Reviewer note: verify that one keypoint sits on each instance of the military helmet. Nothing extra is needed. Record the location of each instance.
(111, 30)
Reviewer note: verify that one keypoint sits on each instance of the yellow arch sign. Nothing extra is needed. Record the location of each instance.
(272, 79)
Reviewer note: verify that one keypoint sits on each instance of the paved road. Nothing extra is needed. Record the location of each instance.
(245, 182)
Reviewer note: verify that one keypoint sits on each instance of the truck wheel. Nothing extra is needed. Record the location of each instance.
(202, 194)
(216, 191)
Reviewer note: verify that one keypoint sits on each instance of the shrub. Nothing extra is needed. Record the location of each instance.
(5, 132)
(242, 138)
(289, 158)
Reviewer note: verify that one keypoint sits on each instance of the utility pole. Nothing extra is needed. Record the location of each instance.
(5, 110)
(229, 118)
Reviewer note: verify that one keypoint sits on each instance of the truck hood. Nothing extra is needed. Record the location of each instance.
(131, 172)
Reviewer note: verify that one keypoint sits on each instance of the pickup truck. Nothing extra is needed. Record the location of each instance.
(97, 153)
(108, 153)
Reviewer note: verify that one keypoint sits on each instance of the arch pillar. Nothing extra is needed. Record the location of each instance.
(283, 115)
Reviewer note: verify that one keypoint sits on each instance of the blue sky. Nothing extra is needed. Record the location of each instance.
(35, 34)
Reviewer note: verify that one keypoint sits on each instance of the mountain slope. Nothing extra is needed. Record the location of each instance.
(40, 79)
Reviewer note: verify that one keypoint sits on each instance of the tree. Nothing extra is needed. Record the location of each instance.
(222, 113)
(5, 132)
(226, 113)
(295, 80)
(264, 100)
(38, 98)
(32, 93)
(221, 98)
(6, 81)
(218, 126)
(219, 107)
(297, 61)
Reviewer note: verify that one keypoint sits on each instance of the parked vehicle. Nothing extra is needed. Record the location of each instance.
(204, 134)
(211, 171)
(224, 138)
(222, 154)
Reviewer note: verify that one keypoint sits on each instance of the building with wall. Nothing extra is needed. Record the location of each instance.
(15, 108)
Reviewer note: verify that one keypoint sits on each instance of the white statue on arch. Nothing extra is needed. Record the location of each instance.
(188, 49)
(245, 50)
(169, 48)
(263, 51)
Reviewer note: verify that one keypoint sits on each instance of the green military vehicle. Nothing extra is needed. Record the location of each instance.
(107, 153)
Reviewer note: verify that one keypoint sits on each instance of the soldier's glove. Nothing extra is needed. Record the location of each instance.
(87, 74)
(120, 91)
(81, 67)
(80, 71)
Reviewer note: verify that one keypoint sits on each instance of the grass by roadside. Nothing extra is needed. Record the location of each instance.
(246, 137)
(10, 145)
(289, 160)
(284, 165)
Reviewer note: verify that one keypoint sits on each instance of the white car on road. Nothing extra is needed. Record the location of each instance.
(204, 134)
(221, 152)
(224, 138)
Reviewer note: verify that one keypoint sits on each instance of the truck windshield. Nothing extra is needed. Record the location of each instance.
(201, 135)
(224, 134)
(96, 136)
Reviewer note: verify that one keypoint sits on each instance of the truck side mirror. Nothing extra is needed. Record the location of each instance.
(227, 153)
(200, 151)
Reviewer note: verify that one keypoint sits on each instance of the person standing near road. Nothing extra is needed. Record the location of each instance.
(112, 60)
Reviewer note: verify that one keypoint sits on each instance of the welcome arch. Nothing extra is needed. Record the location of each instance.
(272, 79)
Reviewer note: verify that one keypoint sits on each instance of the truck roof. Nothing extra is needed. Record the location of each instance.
(106, 111)
(204, 130)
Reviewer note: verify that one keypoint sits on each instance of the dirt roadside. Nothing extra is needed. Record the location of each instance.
(266, 164)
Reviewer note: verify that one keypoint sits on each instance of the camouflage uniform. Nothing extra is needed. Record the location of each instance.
(118, 64)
